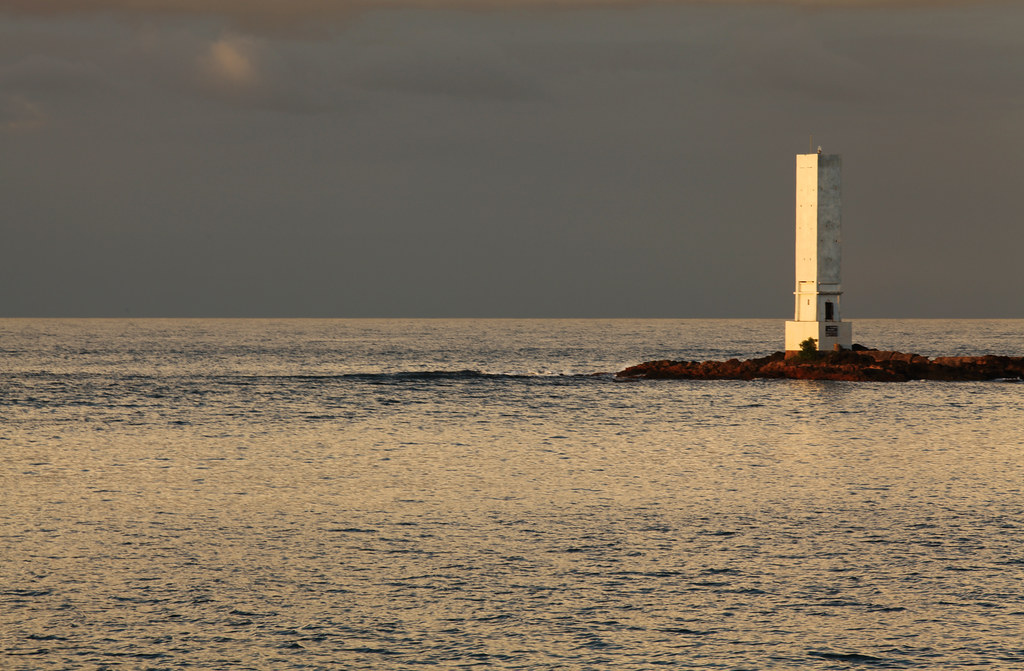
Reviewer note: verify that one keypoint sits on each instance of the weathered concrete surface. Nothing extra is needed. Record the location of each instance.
(819, 289)
(862, 366)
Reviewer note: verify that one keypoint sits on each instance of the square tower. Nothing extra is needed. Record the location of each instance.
(818, 255)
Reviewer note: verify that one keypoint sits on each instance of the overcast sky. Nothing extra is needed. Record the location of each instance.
(503, 158)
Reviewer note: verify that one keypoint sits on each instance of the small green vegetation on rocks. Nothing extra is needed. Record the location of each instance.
(809, 350)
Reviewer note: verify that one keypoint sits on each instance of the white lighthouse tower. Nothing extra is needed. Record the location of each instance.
(818, 255)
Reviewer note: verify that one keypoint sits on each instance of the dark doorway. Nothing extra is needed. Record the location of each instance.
(829, 311)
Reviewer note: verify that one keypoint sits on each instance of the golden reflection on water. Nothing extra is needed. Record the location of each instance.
(280, 522)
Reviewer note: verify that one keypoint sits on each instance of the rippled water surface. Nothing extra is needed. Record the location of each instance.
(406, 494)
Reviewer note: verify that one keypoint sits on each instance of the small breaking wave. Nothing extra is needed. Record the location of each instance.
(448, 375)
(850, 657)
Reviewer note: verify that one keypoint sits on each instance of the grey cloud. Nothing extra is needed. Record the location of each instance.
(34, 90)
(338, 76)
(19, 113)
(436, 163)
(443, 65)
(46, 73)
(282, 14)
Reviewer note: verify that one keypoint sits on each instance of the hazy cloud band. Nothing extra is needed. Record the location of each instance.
(264, 11)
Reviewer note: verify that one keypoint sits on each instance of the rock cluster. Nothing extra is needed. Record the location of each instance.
(856, 366)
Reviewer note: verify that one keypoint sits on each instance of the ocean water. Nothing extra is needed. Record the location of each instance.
(405, 494)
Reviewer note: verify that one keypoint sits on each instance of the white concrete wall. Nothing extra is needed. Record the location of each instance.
(806, 236)
(818, 249)
(818, 228)
(830, 207)
(828, 334)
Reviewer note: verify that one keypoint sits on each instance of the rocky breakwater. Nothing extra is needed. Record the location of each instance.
(865, 365)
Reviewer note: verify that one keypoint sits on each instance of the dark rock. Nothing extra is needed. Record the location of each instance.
(859, 364)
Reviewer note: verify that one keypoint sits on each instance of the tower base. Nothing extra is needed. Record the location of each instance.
(828, 334)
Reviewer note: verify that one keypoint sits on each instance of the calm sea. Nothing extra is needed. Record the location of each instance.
(400, 494)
